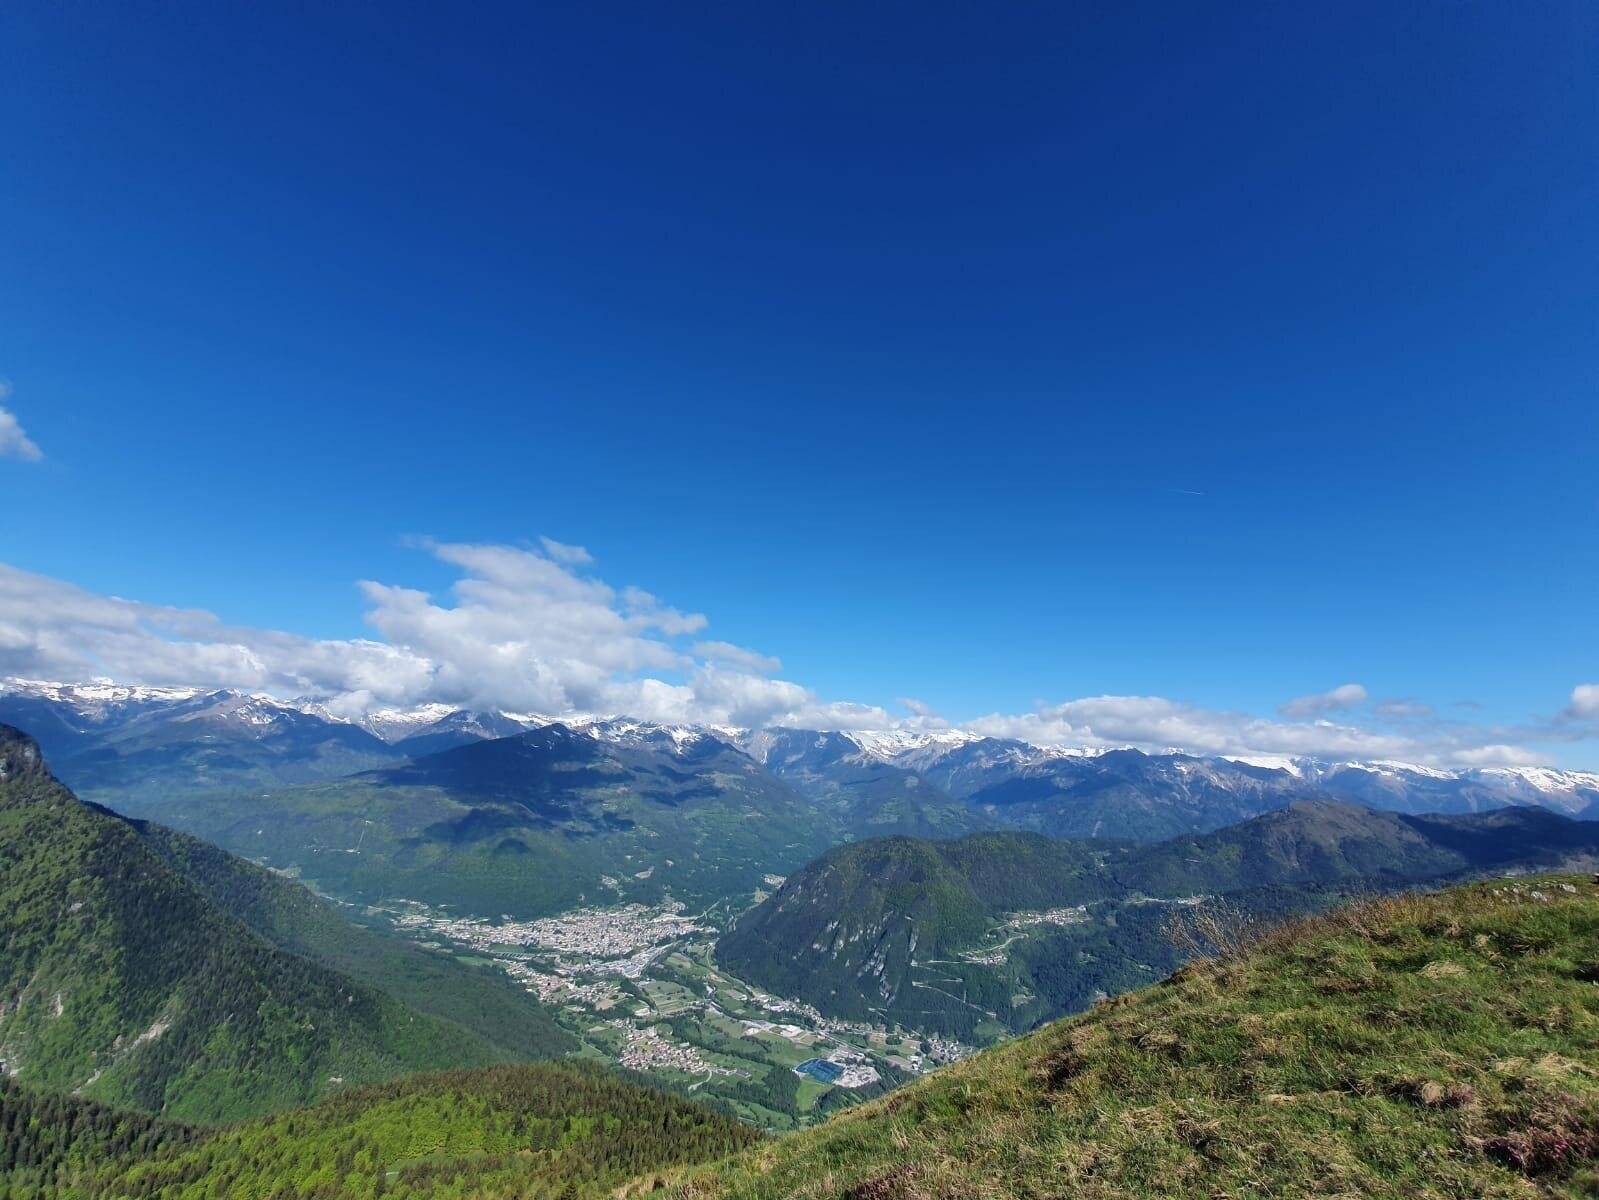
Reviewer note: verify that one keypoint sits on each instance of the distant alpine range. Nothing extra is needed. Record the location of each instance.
(528, 815)
(102, 735)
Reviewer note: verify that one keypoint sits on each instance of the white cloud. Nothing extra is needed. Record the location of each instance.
(1348, 695)
(14, 443)
(1489, 756)
(1584, 700)
(1155, 723)
(736, 656)
(530, 630)
(571, 556)
(520, 630)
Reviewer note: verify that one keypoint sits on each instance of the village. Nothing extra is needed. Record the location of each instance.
(664, 1007)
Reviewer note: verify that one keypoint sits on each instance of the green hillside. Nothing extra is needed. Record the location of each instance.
(528, 825)
(527, 1132)
(293, 918)
(122, 981)
(1412, 1048)
(937, 934)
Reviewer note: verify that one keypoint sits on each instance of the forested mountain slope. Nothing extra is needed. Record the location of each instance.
(293, 918)
(937, 933)
(50, 1141)
(541, 1132)
(121, 980)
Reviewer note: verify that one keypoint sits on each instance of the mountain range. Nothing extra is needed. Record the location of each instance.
(112, 740)
(992, 933)
(1394, 1046)
(524, 815)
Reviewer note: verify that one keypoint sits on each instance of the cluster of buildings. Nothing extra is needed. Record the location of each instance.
(1077, 915)
(586, 933)
(644, 1049)
(562, 987)
(581, 958)
(777, 1004)
(943, 1050)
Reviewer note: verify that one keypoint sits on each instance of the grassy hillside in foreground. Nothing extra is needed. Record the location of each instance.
(122, 981)
(1412, 1047)
(526, 1132)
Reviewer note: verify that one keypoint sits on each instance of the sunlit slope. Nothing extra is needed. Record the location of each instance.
(1418, 1046)
(897, 927)
(529, 1133)
(121, 980)
(483, 999)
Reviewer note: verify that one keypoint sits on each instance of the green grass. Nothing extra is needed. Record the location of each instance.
(1415, 1047)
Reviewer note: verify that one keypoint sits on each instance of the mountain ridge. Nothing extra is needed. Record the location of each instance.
(121, 980)
(896, 927)
(74, 719)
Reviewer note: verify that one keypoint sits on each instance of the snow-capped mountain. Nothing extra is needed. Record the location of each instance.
(67, 710)
(395, 724)
(112, 735)
(111, 741)
(461, 727)
(1406, 787)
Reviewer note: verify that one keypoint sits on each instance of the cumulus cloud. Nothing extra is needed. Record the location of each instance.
(534, 630)
(1154, 723)
(14, 442)
(1584, 700)
(521, 629)
(1345, 696)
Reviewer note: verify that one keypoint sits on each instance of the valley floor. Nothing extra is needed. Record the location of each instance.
(639, 986)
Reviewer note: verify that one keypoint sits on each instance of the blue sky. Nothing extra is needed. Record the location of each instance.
(994, 358)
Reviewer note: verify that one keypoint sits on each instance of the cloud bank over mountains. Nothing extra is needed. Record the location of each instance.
(534, 630)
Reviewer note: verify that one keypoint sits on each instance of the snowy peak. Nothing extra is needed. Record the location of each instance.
(623, 731)
(68, 718)
(393, 724)
(96, 702)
